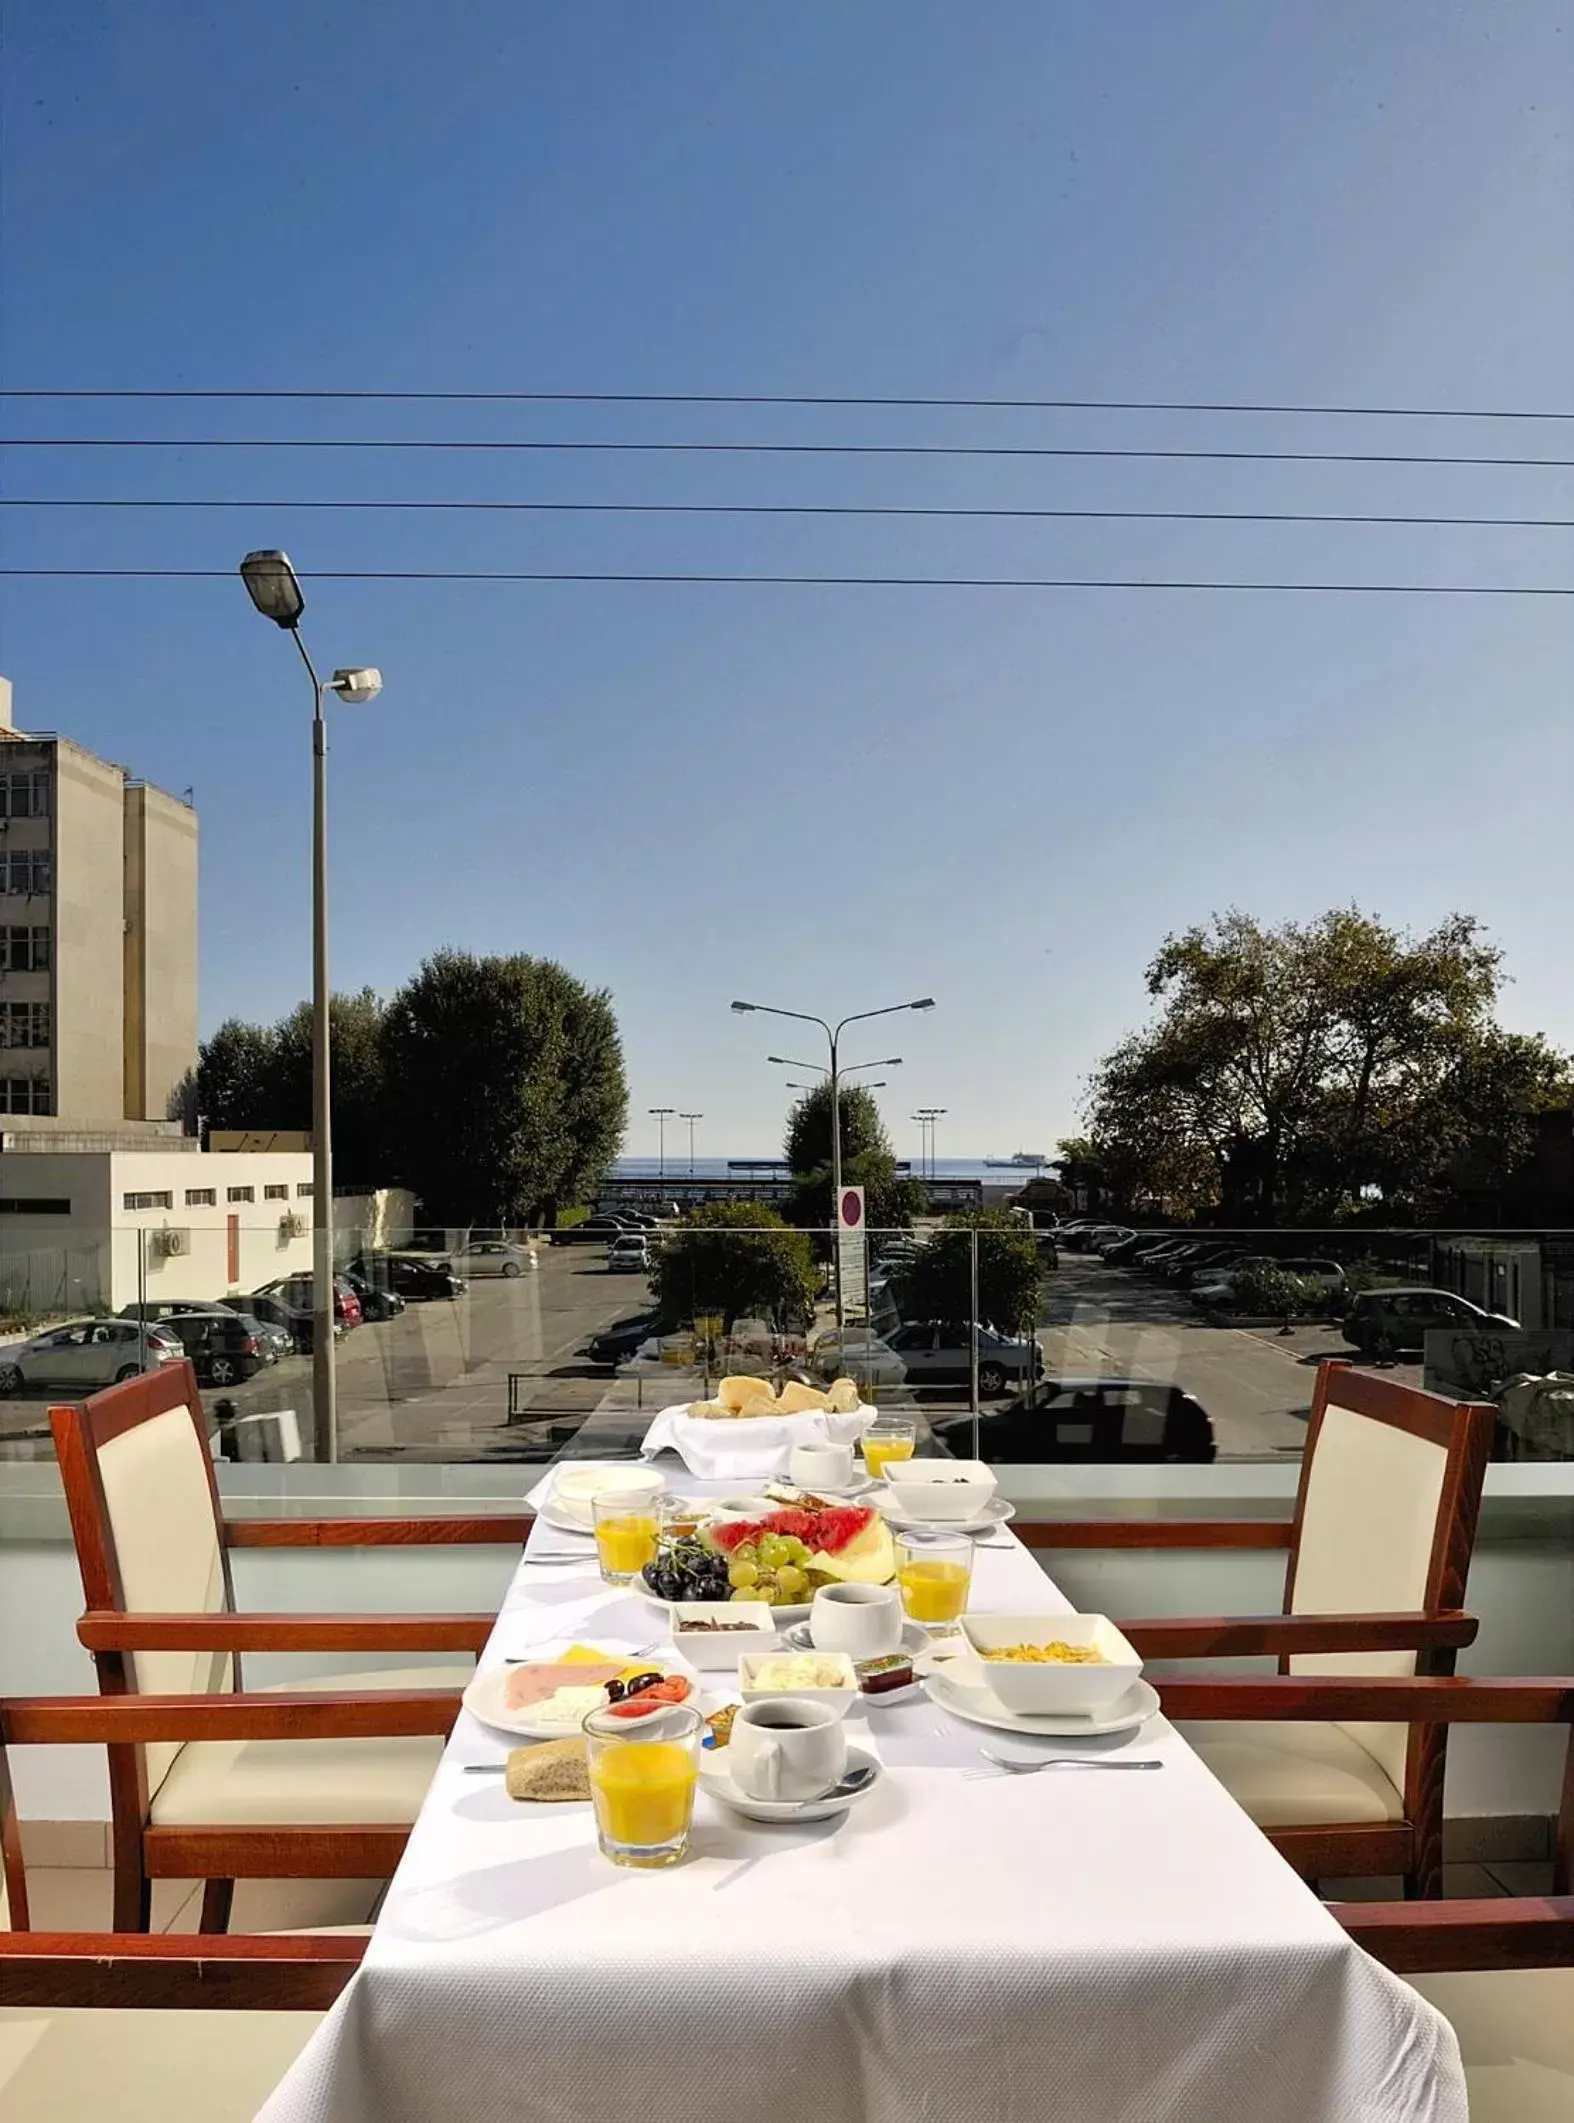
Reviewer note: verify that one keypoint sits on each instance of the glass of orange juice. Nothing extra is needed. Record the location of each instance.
(934, 1571)
(642, 1774)
(627, 1524)
(890, 1437)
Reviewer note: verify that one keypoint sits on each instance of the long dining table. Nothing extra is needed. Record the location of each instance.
(960, 1947)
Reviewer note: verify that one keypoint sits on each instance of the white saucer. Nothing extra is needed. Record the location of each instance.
(485, 1699)
(549, 1515)
(952, 1686)
(716, 1778)
(995, 1513)
(915, 1638)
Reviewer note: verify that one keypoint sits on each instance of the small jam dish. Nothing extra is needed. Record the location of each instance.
(711, 1633)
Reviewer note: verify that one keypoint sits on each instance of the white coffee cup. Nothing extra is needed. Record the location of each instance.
(821, 1466)
(784, 1750)
(865, 1621)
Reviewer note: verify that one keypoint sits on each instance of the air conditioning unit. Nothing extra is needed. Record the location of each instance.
(292, 1224)
(171, 1245)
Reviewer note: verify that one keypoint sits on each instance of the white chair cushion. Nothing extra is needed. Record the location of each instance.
(1291, 1775)
(1516, 2034)
(85, 2066)
(238, 1783)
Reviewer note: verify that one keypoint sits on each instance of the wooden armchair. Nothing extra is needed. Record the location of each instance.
(85, 2017)
(1377, 1556)
(1501, 1971)
(153, 1548)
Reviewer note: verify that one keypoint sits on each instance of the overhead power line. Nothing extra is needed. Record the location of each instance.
(909, 582)
(800, 508)
(810, 398)
(758, 449)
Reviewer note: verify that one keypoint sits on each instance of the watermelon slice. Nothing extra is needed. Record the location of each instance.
(826, 1531)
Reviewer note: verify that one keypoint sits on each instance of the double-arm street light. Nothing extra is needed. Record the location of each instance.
(274, 589)
(661, 1115)
(833, 1034)
(926, 1116)
(691, 1118)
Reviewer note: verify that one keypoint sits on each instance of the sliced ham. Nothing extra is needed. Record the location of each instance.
(533, 1684)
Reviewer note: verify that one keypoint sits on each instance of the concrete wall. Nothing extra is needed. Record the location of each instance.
(89, 954)
(160, 947)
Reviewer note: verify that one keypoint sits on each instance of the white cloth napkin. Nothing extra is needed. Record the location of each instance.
(750, 1448)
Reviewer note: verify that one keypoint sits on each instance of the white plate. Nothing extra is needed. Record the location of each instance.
(995, 1513)
(794, 1613)
(915, 1637)
(953, 1687)
(484, 1699)
(716, 1778)
(576, 1516)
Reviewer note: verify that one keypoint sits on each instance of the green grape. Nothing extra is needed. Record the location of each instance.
(797, 1551)
(765, 1588)
(773, 1551)
(745, 1552)
(741, 1574)
(743, 1592)
(792, 1584)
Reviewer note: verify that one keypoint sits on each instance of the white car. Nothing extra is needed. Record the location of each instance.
(629, 1255)
(89, 1353)
(492, 1256)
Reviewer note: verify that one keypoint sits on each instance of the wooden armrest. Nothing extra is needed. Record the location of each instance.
(504, 1530)
(103, 1630)
(1427, 1938)
(305, 1714)
(1341, 1698)
(1232, 1636)
(1155, 1533)
(174, 1970)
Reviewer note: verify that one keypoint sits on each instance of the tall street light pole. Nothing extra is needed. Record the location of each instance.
(931, 1114)
(691, 1118)
(833, 1034)
(273, 587)
(661, 1115)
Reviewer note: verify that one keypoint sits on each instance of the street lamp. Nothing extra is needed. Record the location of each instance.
(691, 1118)
(926, 1116)
(274, 588)
(661, 1115)
(833, 1034)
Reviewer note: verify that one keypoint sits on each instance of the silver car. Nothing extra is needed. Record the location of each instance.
(87, 1354)
(492, 1256)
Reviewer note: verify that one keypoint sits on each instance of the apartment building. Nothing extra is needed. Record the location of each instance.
(98, 934)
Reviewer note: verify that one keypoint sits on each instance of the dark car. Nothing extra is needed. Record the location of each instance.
(1387, 1323)
(1101, 1420)
(297, 1290)
(273, 1310)
(617, 1343)
(375, 1304)
(594, 1227)
(408, 1275)
(222, 1347)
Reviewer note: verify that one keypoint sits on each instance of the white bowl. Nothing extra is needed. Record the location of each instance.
(840, 1699)
(946, 1492)
(716, 1650)
(574, 1487)
(1054, 1689)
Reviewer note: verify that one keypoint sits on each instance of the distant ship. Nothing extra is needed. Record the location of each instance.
(1019, 1157)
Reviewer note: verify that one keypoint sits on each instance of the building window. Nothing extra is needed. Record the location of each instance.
(24, 1094)
(149, 1199)
(304, 1190)
(24, 950)
(24, 870)
(275, 1194)
(24, 1024)
(33, 1205)
(25, 795)
(240, 1194)
(202, 1197)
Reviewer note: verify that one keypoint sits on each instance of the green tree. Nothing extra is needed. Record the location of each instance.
(1294, 1072)
(739, 1259)
(868, 1161)
(937, 1282)
(260, 1076)
(505, 1081)
(233, 1082)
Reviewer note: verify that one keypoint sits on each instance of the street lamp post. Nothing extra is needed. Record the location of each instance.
(927, 1116)
(661, 1115)
(274, 589)
(691, 1118)
(833, 1034)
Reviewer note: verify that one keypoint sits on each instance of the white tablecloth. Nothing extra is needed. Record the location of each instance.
(1050, 1949)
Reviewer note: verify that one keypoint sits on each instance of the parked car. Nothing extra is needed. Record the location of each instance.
(1211, 1287)
(606, 1226)
(222, 1348)
(287, 1321)
(415, 1276)
(1183, 1268)
(375, 1304)
(88, 1354)
(296, 1290)
(1111, 1240)
(492, 1256)
(1151, 1257)
(1388, 1323)
(629, 1255)
(1122, 1250)
(273, 1341)
(925, 1353)
(617, 1343)
(1102, 1420)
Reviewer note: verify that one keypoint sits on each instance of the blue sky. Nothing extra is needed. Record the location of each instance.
(828, 797)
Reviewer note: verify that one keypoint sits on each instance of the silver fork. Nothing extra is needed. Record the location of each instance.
(1014, 1766)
